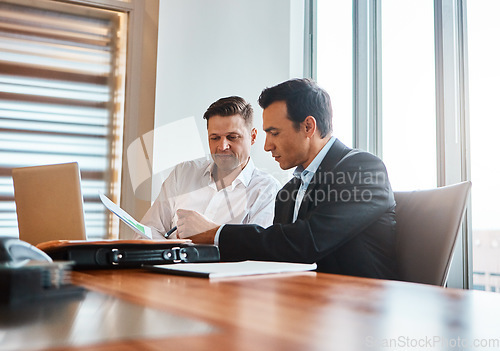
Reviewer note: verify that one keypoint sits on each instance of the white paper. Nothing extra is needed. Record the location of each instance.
(137, 227)
(231, 269)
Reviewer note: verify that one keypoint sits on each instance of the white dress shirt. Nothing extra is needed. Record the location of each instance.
(249, 199)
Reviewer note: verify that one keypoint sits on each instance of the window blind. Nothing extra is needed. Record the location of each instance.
(59, 97)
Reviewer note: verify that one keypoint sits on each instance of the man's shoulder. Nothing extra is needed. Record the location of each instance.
(264, 178)
(358, 164)
(352, 160)
(193, 165)
(360, 156)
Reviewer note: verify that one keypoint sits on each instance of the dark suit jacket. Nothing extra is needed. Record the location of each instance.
(346, 223)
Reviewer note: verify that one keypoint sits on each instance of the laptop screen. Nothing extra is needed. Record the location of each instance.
(49, 203)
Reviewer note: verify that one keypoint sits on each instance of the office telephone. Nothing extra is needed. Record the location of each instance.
(29, 274)
(15, 252)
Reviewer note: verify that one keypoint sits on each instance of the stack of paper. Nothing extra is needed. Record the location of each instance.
(231, 269)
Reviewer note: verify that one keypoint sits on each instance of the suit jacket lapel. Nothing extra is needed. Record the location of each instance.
(332, 157)
(285, 202)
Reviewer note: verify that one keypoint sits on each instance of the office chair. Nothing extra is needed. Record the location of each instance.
(427, 225)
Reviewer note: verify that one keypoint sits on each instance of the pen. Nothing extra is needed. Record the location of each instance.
(167, 234)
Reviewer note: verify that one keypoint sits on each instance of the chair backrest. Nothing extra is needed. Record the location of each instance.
(427, 224)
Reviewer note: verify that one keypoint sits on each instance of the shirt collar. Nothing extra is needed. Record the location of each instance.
(244, 177)
(246, 174)
(209, 169)
(307, 174)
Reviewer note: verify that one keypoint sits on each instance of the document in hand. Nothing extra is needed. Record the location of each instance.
(137, 227)
(231, 269)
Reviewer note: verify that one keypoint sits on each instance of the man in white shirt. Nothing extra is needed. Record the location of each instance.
(226, 189)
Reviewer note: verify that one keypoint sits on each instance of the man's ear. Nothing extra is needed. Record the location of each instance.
(253, 136)
(309, 125)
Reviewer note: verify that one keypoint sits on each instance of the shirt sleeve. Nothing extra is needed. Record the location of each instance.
(262, 210)
(217, 234)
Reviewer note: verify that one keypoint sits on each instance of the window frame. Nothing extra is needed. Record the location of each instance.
(452, 121)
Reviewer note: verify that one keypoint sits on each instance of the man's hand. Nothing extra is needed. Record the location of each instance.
(198, 228)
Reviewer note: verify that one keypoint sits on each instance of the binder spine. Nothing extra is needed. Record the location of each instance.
(132, 255)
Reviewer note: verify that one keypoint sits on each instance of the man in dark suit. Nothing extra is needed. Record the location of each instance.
(338, 209)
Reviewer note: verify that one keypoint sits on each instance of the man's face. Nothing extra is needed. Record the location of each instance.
(229, 140)
(287, 145)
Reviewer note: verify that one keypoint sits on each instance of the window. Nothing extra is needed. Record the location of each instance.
(334, 62)
(61, 100)
(410, 101)
(484, 74)
(408, 93)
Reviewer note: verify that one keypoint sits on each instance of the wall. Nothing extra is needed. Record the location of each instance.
(211, 49)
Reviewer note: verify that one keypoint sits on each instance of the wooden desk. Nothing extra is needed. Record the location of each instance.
(306, 311)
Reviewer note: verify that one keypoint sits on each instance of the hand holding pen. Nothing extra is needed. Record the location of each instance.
(170, 232)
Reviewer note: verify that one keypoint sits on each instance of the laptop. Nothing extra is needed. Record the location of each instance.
(49, 203)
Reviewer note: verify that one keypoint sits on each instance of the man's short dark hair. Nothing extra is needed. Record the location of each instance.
(230, 106)
(303, 97)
